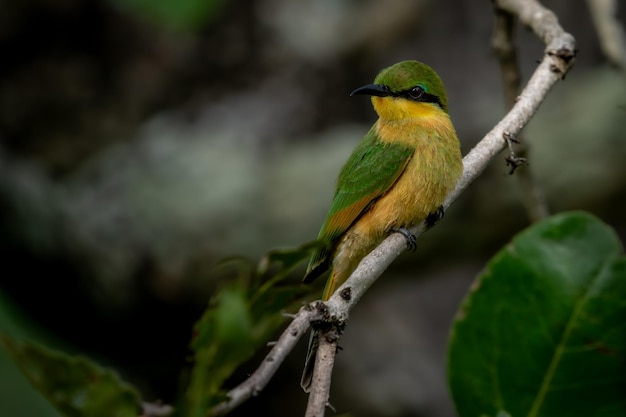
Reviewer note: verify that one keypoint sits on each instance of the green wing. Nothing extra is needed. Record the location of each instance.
(371, 170)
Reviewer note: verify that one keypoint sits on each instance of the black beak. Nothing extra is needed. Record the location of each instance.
(373, 90)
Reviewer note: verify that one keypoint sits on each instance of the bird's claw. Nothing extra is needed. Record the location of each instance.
(434, 217)
(411, 240)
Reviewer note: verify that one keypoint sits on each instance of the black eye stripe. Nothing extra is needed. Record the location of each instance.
(423, 97)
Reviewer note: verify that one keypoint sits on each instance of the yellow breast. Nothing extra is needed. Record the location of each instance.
(432, 172)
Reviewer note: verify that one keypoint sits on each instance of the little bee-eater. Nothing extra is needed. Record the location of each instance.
(396, 177)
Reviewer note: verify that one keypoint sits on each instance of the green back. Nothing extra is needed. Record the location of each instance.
(371, 170)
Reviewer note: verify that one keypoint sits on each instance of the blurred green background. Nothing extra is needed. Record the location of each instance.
(142, 141)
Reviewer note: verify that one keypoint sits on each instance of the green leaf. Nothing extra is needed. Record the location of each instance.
(74, 385)
(284, 261)
(543, 331)
(242, 318)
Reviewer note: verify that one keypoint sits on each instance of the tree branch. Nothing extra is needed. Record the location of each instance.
(557, 61)
(503, 47)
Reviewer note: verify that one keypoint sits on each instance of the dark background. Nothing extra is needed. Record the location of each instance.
(142, 141)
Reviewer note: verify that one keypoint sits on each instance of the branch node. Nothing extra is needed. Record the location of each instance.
(565, 54)
(334, 333)
(508, 137)
(565, 60)
(512, 159)
(322, 312)
(330, 325)
(346, 294)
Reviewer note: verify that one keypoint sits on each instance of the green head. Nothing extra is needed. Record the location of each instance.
(411, 80)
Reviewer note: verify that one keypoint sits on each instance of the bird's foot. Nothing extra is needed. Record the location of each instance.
(411, 240)
(434, 217)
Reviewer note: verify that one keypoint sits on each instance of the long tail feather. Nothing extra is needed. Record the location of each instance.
(309, 363)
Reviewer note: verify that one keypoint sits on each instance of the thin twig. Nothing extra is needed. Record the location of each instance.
(610, 31)
(155, 409)
(320, 386)
(503, 46)
(513, 160)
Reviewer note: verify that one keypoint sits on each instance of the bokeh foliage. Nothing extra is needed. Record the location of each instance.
(244, 315)
(176, 14)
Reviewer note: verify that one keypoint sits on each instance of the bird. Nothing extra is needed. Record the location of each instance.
(397, 176)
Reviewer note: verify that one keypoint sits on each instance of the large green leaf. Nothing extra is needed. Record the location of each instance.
(76, 386)
(543, 331)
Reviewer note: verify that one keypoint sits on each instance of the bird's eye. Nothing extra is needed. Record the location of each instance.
(416, 92)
